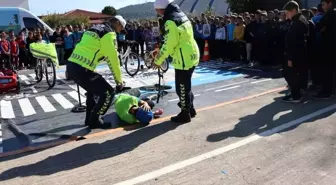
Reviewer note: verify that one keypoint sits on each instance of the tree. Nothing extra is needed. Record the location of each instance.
(109, 10)
(54, 20)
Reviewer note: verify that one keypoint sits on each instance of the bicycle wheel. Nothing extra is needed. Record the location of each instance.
(165, 66)
(38, 71)
(148, 60)
(132, 64)
(50, 73)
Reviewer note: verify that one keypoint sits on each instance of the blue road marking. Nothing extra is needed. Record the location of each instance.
(209, 76)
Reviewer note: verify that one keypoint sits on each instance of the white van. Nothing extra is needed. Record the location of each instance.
(14, 18)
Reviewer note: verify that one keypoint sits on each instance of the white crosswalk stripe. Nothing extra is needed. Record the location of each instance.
(26, 107)
(45, 104)
(74, 95)
(6, 109)
(66, 104)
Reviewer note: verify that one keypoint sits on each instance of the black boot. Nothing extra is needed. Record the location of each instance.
(183, 117)
(192, 110)
(100, 124)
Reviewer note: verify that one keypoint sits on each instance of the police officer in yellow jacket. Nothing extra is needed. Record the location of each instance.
(97, 44)
(179, 43)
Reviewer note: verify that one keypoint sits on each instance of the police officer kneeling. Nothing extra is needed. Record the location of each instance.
(97, 44)
(179, 43)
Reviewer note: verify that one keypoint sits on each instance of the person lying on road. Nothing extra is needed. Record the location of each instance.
(132, 110)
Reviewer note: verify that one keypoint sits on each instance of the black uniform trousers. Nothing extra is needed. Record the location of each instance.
(183, 88)
(296, 78)
(99, 92)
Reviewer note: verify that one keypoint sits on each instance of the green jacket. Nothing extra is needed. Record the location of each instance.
(44, 51)
(97, 44)
(179, 42)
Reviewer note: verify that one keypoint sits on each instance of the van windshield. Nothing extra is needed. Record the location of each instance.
(31, 23)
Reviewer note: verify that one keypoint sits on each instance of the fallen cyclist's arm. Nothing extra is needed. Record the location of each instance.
(170, 42)
(108, 48)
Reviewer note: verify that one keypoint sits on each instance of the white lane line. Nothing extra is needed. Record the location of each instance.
(60, 79)
(74, 95)
(26, 107)
(63, 101)
(32, 75)
(228, 85)
(6, 110)
(26, 80)
(225, 89)
(260, 81)
(176, 99)
(45, 104)
(222, 150)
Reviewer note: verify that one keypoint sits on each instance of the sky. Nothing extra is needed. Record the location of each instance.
(39, 7)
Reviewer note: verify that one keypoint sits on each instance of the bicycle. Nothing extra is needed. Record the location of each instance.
(150, 55)
(42, 65)
(129, 58)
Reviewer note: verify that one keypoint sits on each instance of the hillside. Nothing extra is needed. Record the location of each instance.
(146, 10)
(138, 11)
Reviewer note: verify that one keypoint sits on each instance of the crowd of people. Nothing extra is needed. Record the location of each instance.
(15, 47)
(257, 38)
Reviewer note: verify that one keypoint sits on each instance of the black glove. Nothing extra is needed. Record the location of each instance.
(119, 88)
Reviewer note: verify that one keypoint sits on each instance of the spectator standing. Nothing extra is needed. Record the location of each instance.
(318, 15)
(262, 39)
(220, 42)
(248, 37)
(141, 40)
(59, 42)
(14, 52)
(45, 36)
(22, 50)
(213, 28)
(29, 40)
(283, 25)
(230, 27)
(198, 32)
(238, 36)
(77, 34)
(312, 65)
(121, 38)
(5, 50)
(272, 45)
(327, 27)
(295, 51)
(69, 44)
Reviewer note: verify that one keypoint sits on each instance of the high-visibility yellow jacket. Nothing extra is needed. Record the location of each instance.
(97, 44)
(179, 42)
(44, 51)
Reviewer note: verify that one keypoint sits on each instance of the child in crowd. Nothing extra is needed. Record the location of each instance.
(5, 51)
(22, 49)
(14, 52)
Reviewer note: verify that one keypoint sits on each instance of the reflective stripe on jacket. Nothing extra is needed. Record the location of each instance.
(97, 44)
(43, 50)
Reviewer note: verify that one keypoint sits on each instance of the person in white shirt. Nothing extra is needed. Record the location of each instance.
(220, 42)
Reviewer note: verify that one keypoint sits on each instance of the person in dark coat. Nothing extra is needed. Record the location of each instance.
(327, 27)
(296, 51)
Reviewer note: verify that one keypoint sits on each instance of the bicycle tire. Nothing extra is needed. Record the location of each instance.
(138, 62)
(51, 84)
(165, 66)
(38, 71)
(155, 87)
(146, 58)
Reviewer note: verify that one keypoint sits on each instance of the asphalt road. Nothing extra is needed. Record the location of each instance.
(259, 140)
(38, 116)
